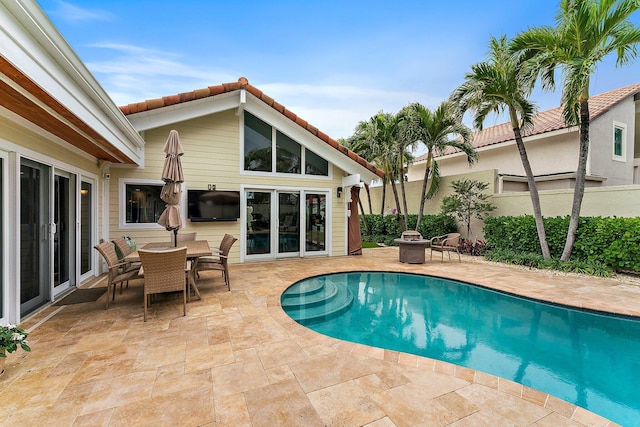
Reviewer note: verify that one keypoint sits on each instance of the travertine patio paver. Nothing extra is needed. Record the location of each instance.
(237, 359)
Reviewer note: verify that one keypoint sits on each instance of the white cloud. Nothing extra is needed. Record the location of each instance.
(73, 13)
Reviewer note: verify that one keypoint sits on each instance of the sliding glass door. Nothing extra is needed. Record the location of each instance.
(285, 223)
(35, 230)
(64, 230)
(86, 229)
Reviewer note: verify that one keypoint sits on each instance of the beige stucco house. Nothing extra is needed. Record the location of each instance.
(552, 147)
(76, 169)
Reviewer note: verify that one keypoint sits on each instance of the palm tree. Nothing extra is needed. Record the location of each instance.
(500, 84)
(437, 130)
(380, 134)
(586, 31)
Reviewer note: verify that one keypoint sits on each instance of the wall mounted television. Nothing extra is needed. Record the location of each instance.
(208, 206)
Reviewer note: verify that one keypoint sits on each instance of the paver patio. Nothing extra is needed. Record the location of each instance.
(237, 359)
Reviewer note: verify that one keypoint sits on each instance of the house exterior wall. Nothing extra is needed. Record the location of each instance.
(21, 142)
(601, 159)
(506, 159)
(212, 155)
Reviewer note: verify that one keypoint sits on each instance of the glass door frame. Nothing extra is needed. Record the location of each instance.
(275, 223)
(44, 235)
(71, 210)
(93, 230)
(5, 291)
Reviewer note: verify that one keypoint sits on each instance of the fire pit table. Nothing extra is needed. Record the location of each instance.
(412, 247)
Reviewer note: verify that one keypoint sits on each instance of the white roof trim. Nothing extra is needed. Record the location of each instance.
(33, 45)
(163, 116)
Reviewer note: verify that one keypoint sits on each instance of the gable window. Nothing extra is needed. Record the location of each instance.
(619, 141)
(315, 165)
(288, 154)
(257, 144)
(267, 149)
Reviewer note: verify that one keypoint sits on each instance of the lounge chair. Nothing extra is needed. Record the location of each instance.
(164, 271)
(117, 272)
(218, 261)
(447, 243)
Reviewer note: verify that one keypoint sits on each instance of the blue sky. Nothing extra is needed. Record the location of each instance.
(334, 63)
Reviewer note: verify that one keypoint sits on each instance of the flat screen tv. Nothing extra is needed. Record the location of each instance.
(204, 205)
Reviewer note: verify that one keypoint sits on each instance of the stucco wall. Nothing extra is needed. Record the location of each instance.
(622, 201)
(601, 144)
(212, 156)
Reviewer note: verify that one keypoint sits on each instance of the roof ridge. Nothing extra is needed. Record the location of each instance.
(243, 83)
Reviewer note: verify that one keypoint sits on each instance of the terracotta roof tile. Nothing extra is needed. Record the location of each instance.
(243, 83)
(548, 120)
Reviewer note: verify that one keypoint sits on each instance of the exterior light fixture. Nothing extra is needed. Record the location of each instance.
(339, 190)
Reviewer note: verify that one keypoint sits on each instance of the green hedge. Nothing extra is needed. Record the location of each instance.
(386, 228)
(611, 241)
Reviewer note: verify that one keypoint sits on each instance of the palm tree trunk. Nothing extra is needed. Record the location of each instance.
(366, 187)
(423, 194)
(384, 195)
(581, 173)
(533, 188)
(364, 217)
(392, 178)
(404, 199)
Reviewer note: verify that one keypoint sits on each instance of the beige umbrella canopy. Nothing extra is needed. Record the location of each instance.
(171, 193)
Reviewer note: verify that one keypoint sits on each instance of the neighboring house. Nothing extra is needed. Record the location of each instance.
(71, 162)
(285, 175)
(552, 147)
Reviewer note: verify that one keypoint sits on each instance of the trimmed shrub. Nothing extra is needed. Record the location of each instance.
(610, 241)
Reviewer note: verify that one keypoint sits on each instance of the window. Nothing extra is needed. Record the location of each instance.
(257, 144)
(142, 203)
(261, 140)
(315, 165)
(619, 141)
(288, 153)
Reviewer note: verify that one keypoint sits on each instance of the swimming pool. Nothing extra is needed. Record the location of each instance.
(586, 358)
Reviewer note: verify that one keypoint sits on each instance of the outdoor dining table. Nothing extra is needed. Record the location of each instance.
(195, 250)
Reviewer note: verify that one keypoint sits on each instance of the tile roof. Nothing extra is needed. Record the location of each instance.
(243, 83)
(549, 120)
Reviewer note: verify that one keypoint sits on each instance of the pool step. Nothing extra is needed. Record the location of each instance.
(317, 301)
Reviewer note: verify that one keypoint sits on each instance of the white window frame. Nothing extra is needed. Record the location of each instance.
(122, 203)
(622, 157)
(273, 173)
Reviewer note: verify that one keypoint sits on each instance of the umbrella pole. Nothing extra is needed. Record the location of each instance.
(175, 237)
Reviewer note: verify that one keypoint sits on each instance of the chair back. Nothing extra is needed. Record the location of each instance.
(225, 246)
(186, 237)
(108, 252)
(453, 239)
(164, 271)
(122, 246)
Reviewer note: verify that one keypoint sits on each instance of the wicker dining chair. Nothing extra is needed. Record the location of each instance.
(186, 237)
(117, 273)
(164, 271)
(218, 261)
(122, 250)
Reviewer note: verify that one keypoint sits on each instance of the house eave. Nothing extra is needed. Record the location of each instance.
(74, 107)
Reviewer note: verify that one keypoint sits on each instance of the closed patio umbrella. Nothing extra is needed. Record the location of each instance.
(171, 193)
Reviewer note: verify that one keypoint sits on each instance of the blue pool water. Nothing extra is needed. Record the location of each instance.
(586, 358)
